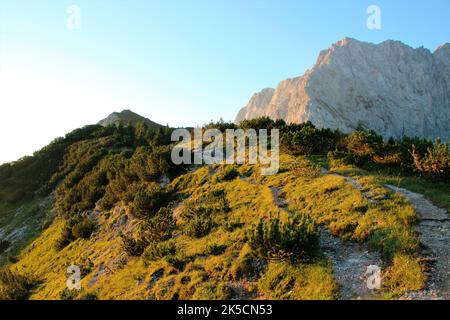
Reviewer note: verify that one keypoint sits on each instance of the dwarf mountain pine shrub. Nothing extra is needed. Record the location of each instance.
(295, 239)
(14, 286)
(436, 163)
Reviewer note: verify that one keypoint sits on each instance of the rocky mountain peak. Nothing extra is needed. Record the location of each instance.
(126, 117)
(389, 87)
(443, 53)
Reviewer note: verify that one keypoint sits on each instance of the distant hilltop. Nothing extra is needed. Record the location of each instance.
(126, 117)
(388, 87)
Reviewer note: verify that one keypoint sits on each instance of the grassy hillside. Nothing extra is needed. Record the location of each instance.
(216, 266)
(222, 231)
(220, 264)
(28, 187)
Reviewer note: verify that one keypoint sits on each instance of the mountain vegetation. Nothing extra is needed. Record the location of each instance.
(109, 200)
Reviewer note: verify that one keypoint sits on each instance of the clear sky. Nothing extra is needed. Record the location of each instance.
(179, 62)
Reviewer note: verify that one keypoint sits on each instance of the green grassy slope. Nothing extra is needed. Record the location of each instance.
(97, 199)
(196, 271)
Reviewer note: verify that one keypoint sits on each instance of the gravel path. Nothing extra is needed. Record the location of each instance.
(434, 234)
(350, 260)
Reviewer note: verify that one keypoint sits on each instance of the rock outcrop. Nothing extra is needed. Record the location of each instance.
(390, 87)
(125, 118)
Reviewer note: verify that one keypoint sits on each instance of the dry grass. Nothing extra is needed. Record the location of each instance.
(234, 272)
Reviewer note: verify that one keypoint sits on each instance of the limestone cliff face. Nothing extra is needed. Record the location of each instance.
(390, 87)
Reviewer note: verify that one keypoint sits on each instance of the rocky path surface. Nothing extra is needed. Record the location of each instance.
(350, 260)
(350, 265)
(281, 203)
(434, 233)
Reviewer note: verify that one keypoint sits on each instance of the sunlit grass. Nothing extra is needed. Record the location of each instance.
(234, 272)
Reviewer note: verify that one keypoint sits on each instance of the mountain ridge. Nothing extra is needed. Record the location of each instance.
(389, 87)
(126, 117)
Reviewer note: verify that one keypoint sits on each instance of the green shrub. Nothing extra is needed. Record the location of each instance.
(132, 246)
(158, 228)
(390, 159)
(86, 265)
(157, 250)
(215, 249)
(88, 296)
(436, 163)
(148, 201)
(338, 158)
(227, 173)
(398, 153)
(231, 225)
(364, 143)
(65, 238)
(262, 123)
(221, 125)
(74, 228)
(306, 139)
(198, 214)
(68, 294)
(11, 259)
(84, 228)
(152, 230)
(215, 201)
(4, 245)
(198, 222)
(365, 148)
(14, 286)
(295, 239)
(74, 294)
(199, 226)
(224, 291)
(360, 148)
(178, 261)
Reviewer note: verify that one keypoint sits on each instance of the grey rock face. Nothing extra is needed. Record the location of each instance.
(126, 117)
(390, 87)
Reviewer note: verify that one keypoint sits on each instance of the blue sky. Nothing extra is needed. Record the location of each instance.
(177, 62)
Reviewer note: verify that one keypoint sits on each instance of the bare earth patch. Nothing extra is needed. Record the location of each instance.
(281, 203)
